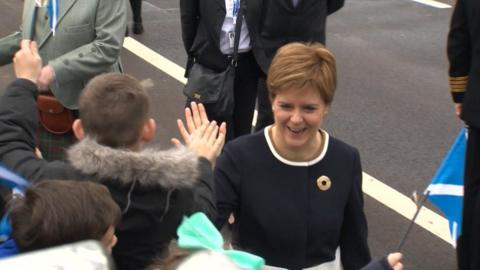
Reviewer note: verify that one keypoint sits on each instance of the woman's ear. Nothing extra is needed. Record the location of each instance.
(77, 128)
(148, 131)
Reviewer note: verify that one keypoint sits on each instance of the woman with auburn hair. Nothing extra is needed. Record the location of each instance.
(296, 191)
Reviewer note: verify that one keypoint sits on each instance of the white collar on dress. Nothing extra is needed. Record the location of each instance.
(296, 163)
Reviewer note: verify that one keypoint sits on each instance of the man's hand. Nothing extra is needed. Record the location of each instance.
(458, 109)
(27, 62)
(203, 137)
(46, 77)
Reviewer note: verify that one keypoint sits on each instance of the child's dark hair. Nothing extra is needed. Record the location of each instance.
(55, 212)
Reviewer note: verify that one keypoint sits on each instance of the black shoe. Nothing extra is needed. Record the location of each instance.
(137, 28)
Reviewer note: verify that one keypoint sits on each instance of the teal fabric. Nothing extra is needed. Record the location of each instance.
(198, 233)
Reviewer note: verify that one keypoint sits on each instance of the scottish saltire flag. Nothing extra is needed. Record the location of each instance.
(11, 180)
(446, 189)
(18, 185)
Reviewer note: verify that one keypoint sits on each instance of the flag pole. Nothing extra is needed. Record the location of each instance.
(410, 226)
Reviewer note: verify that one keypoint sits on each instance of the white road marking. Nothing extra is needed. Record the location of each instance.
(433, 3)
(404, 206)
(374, 188)
(155, 59)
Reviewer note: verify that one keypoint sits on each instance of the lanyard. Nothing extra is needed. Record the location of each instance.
(235, 10)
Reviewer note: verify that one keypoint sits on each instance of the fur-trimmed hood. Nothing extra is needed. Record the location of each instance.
(174, 168)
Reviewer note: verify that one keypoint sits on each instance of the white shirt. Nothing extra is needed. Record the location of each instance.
(227, 34)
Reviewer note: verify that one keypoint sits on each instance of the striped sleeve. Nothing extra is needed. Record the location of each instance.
(459, 52)
(457, 87)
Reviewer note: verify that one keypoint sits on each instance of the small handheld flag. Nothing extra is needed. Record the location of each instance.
(18, 185)
(11, 180)
(446, 189)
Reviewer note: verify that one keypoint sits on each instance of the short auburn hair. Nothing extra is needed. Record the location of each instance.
(298, 65)
(56, 212)
(113, 108)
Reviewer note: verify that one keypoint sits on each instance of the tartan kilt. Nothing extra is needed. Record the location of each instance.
(53, 146)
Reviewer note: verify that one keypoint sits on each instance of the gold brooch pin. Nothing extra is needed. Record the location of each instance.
(324, 183)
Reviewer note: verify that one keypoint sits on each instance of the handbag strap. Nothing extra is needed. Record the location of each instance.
(238, 28)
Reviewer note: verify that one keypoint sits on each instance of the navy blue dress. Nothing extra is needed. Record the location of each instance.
(281, 213)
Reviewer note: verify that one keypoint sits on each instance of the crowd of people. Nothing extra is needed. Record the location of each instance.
(292, 191)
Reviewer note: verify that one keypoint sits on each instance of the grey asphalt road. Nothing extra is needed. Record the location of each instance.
(392, 102)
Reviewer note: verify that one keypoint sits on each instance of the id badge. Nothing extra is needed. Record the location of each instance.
(231, 39)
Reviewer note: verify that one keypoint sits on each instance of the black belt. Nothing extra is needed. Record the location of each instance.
(239, 55)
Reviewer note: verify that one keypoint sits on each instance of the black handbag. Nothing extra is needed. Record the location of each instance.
(212, 88)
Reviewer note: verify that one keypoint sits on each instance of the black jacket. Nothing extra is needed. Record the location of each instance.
(379, 264)
(154, 189)
(202, 22)
(464, 55)
(271, 24)
(281, 214)
(282, 23)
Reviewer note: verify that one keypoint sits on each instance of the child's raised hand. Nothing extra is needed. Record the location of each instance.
(207, 140)
(27, 62)
(203, 137)
(195, 117)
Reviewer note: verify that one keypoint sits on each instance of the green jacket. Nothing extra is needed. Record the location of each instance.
(87, 42)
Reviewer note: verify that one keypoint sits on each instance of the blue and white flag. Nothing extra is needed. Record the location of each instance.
(18, 185)
(53, 14)
(446, 189)
(11, 180)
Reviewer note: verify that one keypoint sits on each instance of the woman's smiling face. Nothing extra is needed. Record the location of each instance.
(298, 114)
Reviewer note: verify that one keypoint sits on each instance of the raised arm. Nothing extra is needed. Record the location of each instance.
(18, 115)
(206, 139)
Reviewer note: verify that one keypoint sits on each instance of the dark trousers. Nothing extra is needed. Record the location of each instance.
(245, 93)
(136, 10)
(468, 248)
(264, 107)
